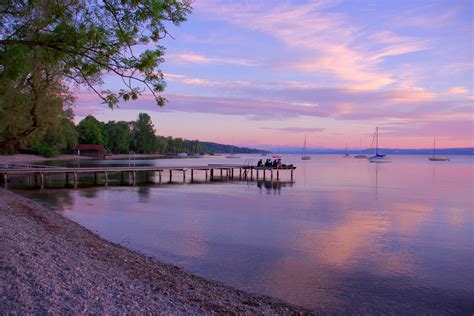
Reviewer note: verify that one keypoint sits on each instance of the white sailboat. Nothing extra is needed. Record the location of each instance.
(232, 155)
(434, 157)
(304, 156)
(378, 157)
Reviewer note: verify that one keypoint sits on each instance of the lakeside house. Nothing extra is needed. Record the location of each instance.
(90, 150)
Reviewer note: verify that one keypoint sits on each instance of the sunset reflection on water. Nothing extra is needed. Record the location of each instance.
(346, 236)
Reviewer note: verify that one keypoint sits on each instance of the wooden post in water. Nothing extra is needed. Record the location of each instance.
(134, 177)
(121, 178)
(264, 174)
(221, 173)
(271, 174)
(159, 176)
(251, 174)
(184, 175)
(75, 180)
(206, 174)
(106, 178)
(95, 178)
(192, 175)
(291, 175)
(5, 180)
(42, 180)
(212, 174)
(278, 174)
(240, 173)
(171, 175)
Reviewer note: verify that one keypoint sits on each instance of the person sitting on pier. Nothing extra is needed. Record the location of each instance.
(259, 163)
(268, 163)
(274, 163)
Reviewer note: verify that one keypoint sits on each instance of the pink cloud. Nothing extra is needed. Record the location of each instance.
(326, 37)
(457, 90)
(295, 129)
(193, 58)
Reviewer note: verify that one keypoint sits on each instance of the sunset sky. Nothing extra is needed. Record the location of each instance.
(259, 73)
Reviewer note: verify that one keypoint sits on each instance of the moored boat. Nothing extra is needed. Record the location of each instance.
(304, 156)
(434, 157)
(378, 158)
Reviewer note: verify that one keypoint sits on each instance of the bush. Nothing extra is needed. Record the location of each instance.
(45, 150)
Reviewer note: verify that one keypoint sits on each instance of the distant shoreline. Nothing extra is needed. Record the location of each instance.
(51, 264)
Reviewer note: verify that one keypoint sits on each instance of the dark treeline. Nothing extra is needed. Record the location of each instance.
(59, 135)
(120, 137)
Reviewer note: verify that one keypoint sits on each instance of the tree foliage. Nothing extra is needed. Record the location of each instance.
(91, 131)
(144, 139)
(31, 104)
(79, 41)
(118, 137)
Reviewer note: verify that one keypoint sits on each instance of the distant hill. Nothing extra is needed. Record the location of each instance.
(221, 148)
(391, 151)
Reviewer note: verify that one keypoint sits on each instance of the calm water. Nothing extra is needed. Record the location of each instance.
(346, 236)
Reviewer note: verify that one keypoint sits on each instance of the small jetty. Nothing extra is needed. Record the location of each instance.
(102, 175)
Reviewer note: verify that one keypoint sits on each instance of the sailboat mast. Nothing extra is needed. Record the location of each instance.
(304, 145)
(377, 141)
(434, 146)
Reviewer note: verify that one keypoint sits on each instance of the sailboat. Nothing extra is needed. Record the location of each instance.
(434, 157)
(277, 155)
(378, 157)
(232, 155)
(360, 155)
(346, 155)
(303, 154)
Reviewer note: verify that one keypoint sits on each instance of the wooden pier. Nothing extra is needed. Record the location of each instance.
(212, 172)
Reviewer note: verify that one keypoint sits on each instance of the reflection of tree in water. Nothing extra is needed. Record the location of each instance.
(56, 198)
(143, 194)
(272, 186)
(90, 194)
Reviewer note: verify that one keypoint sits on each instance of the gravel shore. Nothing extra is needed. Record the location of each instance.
(49, 264)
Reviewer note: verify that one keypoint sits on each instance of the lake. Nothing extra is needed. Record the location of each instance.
(347, 236)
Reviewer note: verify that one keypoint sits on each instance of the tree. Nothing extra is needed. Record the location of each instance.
(82, 40)
(31, 104)
(91, 131)
(118, 136)
(144, 135)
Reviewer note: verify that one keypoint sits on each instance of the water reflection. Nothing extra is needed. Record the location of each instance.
(272, 186)
(347, 236)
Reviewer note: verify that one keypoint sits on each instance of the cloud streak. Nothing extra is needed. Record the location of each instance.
(193, 58)
(295, 129)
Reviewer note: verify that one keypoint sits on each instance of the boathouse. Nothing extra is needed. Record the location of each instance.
(90, 150)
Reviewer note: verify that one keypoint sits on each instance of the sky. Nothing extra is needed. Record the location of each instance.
(265, 73)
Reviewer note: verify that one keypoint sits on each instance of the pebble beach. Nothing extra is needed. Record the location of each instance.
(49, 264)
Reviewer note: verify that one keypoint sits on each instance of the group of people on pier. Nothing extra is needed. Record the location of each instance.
(269, 163)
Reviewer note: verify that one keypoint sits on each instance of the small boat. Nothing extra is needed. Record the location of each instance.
(232, 155)
(304, 156)
(346, 155)
(360, 155)
(277, 155)
(182, 155)
(378, 158)
(434, 157)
